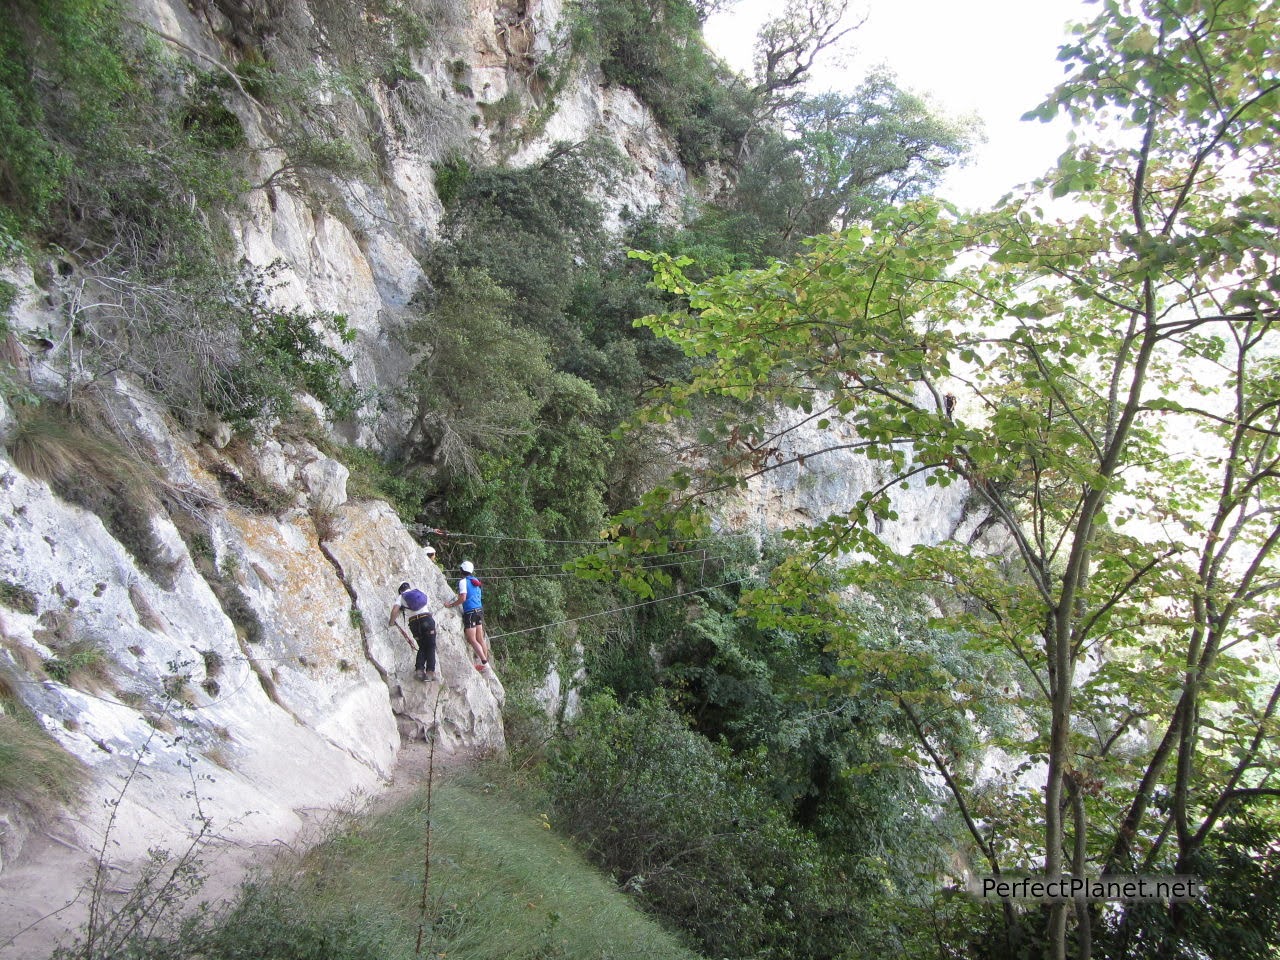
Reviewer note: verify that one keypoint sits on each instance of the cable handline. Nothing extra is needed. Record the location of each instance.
(439, 531)
(658, 557)
(501, 578)
(251, 674)
(632, 606)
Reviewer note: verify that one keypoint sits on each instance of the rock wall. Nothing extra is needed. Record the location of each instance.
(234, 663)
(808, 486)
(234, 658)
(353, 246)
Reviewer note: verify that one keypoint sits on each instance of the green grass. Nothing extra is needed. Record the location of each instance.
(503, 884)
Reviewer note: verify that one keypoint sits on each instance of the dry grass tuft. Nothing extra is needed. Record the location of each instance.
(147, 615)
(48, 443)
(77, 457)
(82, 663)
(35, 770)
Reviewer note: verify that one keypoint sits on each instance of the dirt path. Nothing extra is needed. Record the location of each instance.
(34, 920)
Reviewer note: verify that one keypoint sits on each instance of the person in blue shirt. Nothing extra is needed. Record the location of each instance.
(470, 597)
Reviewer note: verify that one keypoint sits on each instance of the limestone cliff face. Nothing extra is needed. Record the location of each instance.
(234, 660)
(805, 488)
(235, 650)
(352, 246)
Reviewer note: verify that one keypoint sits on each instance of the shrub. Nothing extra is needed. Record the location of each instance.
(537, 237)
(502, 114)
(251, 490)
(212, 340)
(156, 922)
(1239, 919)
(682, 825)
(530, 231)
(285, 350)
(82, 44)
(451, 178)
(374, 478)
(17, 597)
(270, 921)
(208, 120)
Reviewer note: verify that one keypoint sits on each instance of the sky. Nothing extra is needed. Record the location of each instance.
(992, 58)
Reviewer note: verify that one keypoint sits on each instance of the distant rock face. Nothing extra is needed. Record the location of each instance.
(806, 488)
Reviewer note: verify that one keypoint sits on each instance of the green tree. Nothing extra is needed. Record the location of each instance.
(791, 43)
(850, 155)
(1117, 417)
(478, 382)
(534, 232)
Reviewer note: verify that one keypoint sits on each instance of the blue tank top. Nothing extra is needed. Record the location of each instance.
(472, 602)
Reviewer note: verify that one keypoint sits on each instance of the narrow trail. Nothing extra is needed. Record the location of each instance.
(33, 921)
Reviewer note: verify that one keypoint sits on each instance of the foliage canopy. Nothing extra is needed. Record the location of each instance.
(1114, 369)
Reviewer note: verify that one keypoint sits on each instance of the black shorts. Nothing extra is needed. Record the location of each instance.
(472, 618)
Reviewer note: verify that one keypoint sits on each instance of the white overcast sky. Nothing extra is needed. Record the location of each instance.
(993, 58)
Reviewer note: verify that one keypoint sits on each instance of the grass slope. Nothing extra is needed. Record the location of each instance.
(502, 885)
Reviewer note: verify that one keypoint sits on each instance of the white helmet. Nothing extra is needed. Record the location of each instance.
(467, 566)
(431, 551)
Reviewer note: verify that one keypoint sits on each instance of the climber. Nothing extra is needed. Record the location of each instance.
(469, 595)
(416, 605)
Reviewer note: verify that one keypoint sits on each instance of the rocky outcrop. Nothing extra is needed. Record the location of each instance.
(244, 668)
(211, 642)
(820, 471)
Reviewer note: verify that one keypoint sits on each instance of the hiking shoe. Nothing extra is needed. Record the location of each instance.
(419, 674)
(480, 667)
